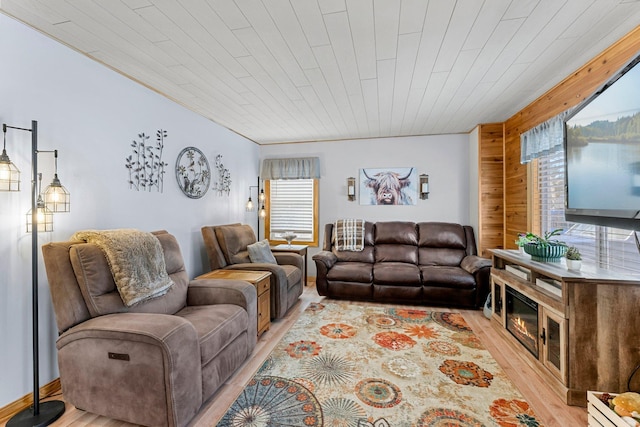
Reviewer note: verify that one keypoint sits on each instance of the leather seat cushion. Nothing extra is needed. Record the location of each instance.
(453, 277)
(216, 326)
(396, 273)
(361, 272)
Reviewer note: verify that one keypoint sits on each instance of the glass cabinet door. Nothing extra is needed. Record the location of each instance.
(497, 289)
(554, 343)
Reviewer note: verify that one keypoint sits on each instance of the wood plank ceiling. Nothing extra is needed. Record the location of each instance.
(310, 70)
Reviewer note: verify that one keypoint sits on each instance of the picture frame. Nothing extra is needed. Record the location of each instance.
(389, 186)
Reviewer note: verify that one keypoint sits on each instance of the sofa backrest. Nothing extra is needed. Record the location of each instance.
(424, 243)
(396, 241)
(82, 285)
(443, 243)
(233, 240)
(366, 255)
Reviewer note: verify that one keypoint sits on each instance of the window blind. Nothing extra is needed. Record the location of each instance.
(291, 208)
(609, 248)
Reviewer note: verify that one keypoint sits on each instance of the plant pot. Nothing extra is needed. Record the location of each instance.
(547, 253)
(574, 264)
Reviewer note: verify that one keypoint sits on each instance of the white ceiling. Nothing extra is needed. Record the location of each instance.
(309, 70)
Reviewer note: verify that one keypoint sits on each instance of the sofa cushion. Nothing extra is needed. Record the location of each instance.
(399, 273)
(396, 253)
(440, 256)
(365, 255)
(351, 272)
(99, 290)
(216, 325)
(441, 235)
(396, 232)
(261, 252)
(233, 240)
(452, 277)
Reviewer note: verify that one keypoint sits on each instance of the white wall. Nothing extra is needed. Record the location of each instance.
(91, 115)
(445, 158)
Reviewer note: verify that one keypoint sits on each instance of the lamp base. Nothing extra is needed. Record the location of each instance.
(49, 412)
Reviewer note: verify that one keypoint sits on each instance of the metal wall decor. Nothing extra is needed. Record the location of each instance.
(145, 165)
(193, 173)
(223, 185)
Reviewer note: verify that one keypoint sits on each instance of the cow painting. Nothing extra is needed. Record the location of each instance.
(388, 186)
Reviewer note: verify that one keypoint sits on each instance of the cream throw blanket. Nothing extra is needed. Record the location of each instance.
(348, 234)
(136, 260)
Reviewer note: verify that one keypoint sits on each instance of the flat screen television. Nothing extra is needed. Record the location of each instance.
(602, 149)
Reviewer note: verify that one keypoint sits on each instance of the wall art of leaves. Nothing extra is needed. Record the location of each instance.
(223, 185)
(145, 165)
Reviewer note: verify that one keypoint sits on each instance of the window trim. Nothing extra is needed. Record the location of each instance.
(267, 221)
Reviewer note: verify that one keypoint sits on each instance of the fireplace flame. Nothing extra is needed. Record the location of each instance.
(521, 327)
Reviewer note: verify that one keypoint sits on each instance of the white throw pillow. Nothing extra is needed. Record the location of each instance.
(261, 252)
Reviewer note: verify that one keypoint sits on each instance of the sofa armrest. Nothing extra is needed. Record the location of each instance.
(119, 364)
(222, 291)
(324, 261)
(289, 258)
(481, 270)
(473, 263)
(325, 257)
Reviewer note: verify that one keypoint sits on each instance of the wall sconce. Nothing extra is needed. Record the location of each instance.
(351, 189)
(424, 186)
(40, 413)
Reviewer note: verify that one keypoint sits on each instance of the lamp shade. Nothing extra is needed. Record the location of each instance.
(56, 197)
(249, 205)
(9, 174)
(44, 218)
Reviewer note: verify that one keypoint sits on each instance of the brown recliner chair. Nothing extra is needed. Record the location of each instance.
(226, 247)
(156, 362)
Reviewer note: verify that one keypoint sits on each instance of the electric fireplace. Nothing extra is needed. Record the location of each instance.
(522, 319)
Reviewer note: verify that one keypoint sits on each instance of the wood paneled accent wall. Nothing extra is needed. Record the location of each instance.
(571, 91)
(490, 191)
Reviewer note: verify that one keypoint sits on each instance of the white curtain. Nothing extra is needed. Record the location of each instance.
(544, 139)
(292, 168)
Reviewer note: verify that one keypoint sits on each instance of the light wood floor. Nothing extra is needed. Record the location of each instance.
(547, 406)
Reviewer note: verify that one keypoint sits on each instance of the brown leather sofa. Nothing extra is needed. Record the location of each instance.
(431, 263)
(226, 247)
(156, 362)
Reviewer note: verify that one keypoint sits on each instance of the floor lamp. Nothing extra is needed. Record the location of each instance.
(41, 413)
(262, 212)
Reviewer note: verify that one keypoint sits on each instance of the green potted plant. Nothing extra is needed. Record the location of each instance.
(574, 259)
(521, 241)
(546, 248)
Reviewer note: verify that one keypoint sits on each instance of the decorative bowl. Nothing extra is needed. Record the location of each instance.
(289, 236)
(546, 253)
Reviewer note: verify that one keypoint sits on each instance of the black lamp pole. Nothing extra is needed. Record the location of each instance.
(45, 413)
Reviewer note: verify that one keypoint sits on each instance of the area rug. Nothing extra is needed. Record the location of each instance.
(343, 364)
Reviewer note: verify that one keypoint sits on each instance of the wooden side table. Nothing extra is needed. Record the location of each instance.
(297, 249)
(259, 279)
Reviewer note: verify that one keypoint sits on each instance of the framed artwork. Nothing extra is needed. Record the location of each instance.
(388, 186)
(193, 173)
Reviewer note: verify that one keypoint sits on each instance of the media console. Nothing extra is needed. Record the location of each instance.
(580, 330)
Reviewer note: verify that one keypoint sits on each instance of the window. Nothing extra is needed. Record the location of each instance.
(292, 205)
(606, 247)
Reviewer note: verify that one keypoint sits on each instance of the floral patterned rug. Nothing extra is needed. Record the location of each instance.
(344, 364)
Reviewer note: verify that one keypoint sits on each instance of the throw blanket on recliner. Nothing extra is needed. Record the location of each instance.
(136, 260)
(348, 234)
